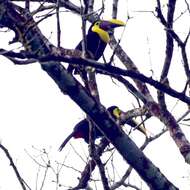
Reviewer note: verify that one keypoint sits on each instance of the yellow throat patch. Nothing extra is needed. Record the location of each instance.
(117, 113)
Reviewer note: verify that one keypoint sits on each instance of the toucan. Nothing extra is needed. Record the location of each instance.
(97, 38)
(81, 129)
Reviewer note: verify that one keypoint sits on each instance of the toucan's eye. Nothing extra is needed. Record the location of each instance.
(97, 23)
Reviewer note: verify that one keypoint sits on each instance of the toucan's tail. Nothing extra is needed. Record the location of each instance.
(65, 141)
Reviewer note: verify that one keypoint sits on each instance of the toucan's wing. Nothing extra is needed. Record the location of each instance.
(66, 141)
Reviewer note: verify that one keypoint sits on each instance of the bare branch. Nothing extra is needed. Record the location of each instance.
(90, 166)
(114, 8)
(187, 4)
(131, 186)
(90, 6)
(38, 46)
(169, 50)
(58, 25)
(102, 172)
(64, 56)
(160, 14)
(129, 64)
(20, 179)
(66, 4)
(27, 4)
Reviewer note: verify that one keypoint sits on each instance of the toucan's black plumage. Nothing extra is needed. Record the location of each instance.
(81, 129)
(94, 45)
(97, 38)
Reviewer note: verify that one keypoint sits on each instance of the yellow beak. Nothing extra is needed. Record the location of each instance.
(107, 25)
(116, 23)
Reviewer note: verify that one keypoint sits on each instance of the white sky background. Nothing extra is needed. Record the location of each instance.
(34, 112)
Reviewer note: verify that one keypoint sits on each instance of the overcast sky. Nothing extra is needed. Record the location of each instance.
(34, 112)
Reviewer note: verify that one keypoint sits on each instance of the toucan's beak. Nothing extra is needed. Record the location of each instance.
(111, 24)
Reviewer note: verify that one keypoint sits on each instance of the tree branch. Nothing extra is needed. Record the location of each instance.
(21, 181)
(39, 46)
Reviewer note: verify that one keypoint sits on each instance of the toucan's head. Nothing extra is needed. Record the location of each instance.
(115, 112)
(102, 28)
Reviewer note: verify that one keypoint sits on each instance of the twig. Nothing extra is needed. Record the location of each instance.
(122, 180)
(112, 71)
(188, 7)
(43, 8)
(169, 50)
(21, 181)
(90, 166)
(38, 163)
(77, 153)
(114, 8)
(100, 165)
(131, 186)
(58, 25)
(90, 6)
(183, 116)
(44, 178)
(145, 144)
(27, 4)
(70, 167)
